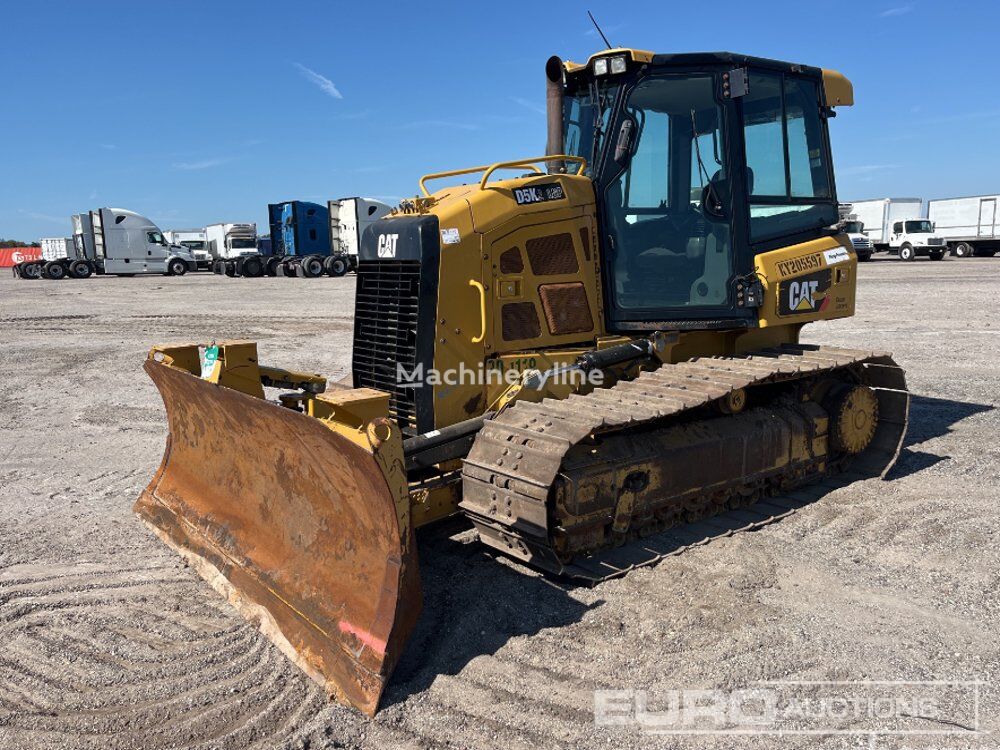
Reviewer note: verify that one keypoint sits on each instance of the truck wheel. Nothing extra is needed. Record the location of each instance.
(31, 270)
(311, 266)
(963, 250)
(219, 267)
(863, 256)
(54, 270)
(80, 269)
(936, 254)
(253, 267)
(177, 267)
(289, 268)
(906, 252)
(271, 266)
(336, 265)
(230, 269)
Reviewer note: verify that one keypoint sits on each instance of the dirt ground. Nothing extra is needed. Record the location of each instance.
(108, 641)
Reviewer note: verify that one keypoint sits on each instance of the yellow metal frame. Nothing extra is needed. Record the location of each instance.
(489, 169)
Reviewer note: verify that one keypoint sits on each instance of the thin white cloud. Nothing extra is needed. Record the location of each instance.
(323, 83)
(441, 124)
(864, 169)
(608, 31)
(203, 164)
(360, 115)
(43, 217)
(108, 146)
(528, 104)
(900, 10)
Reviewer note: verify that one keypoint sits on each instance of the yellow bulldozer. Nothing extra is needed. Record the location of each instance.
(595, 361)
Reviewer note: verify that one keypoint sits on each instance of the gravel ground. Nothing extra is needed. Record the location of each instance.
(108, 641)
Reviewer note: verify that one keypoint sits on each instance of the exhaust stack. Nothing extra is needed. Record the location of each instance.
(554, 112)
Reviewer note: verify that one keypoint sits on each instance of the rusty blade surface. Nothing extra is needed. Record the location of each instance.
(294, 524)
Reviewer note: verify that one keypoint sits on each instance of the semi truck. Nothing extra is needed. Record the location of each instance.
(233, 248)
(970, 226)
(308, 239)
(896, 225)
(194, 240)
(113, 241)
(349, 217)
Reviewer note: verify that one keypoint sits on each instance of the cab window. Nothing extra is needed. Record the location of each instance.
(666, 251)
(155, 238)
(788, 167)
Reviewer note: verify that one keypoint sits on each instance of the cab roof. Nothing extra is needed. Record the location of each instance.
(839, 90)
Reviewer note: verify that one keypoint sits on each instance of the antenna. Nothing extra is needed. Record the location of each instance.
(594, 21)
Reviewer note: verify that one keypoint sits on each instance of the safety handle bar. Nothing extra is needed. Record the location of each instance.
(482, 311)
(489, 169)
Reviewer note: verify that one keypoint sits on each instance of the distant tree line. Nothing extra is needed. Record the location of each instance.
(14, 243)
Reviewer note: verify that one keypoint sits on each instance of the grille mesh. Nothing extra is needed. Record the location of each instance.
(552, 255)
(566, 308)
(520, 321)
(511, 261)
(385, 331)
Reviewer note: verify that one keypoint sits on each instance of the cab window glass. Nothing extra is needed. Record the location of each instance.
(666, 251)
(787, 163)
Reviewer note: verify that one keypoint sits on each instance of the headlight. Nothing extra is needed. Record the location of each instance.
(618, 64)
(601, 66)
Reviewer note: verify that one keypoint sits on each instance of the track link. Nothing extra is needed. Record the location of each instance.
(518, 455)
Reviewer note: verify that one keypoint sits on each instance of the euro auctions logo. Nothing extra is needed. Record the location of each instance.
(864, 708)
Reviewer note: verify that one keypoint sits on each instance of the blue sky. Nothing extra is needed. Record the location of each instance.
(197, 112)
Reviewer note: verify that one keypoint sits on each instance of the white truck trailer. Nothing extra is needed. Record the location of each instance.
(112, 241)
(54, 248)
(896, 225)
(971, 226)
(854, 228)
(349, 217)
(194, 240)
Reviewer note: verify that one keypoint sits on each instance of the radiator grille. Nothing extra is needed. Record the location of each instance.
(385, 331)
(520, 321)
(566, 308)
(552, 255)
(511, 261)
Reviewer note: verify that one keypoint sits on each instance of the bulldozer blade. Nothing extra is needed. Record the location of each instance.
(295, 524)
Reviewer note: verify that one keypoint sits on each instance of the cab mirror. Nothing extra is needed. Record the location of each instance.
(623, 148)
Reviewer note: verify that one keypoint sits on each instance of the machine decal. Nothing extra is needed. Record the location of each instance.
(387, 245)
(837, 255)
(798, 265)
(450, 236)
(209, 356)
(807, 294)
(539, 194)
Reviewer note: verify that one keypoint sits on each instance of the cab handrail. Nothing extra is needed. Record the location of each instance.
(489, 169)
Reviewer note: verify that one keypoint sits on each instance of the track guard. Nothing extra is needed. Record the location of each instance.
(303, 530)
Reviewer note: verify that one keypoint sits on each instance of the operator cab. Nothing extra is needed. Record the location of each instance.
(699, 162)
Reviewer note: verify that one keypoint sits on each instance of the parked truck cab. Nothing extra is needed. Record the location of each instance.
(912, 237)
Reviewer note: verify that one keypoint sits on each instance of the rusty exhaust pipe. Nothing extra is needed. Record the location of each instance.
(554, 112)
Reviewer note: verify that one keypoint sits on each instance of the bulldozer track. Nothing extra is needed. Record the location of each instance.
(518, 455)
